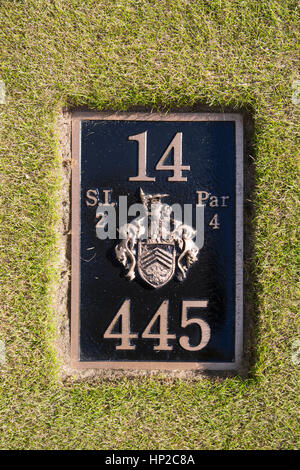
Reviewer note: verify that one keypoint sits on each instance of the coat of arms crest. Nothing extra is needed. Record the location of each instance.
(158, 245)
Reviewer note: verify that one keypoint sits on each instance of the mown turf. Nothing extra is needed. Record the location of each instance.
(160, 54)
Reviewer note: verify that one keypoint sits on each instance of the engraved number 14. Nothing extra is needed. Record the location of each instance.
(163, 336)
(177, 167)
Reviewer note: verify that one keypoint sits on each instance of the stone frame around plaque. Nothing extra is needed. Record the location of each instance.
(77, 117)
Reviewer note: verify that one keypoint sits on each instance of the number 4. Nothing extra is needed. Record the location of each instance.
(177, 167)
(163, 336)
(214, 223)
(125, 334)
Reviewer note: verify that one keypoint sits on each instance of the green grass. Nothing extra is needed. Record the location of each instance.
(160, 54)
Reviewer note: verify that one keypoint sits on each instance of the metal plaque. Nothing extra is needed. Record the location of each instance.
(157, 241)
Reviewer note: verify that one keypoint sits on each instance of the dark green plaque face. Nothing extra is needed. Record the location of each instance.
(157, 205)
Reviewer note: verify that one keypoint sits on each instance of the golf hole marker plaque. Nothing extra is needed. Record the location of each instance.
(157, 241)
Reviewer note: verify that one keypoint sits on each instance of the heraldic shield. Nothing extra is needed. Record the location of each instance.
(156, 262)
(157, 258)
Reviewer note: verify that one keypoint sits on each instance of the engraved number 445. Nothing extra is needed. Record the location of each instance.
(162, 336)
(177, 167)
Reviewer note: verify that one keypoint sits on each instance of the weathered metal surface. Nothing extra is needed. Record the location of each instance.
(161, 291)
